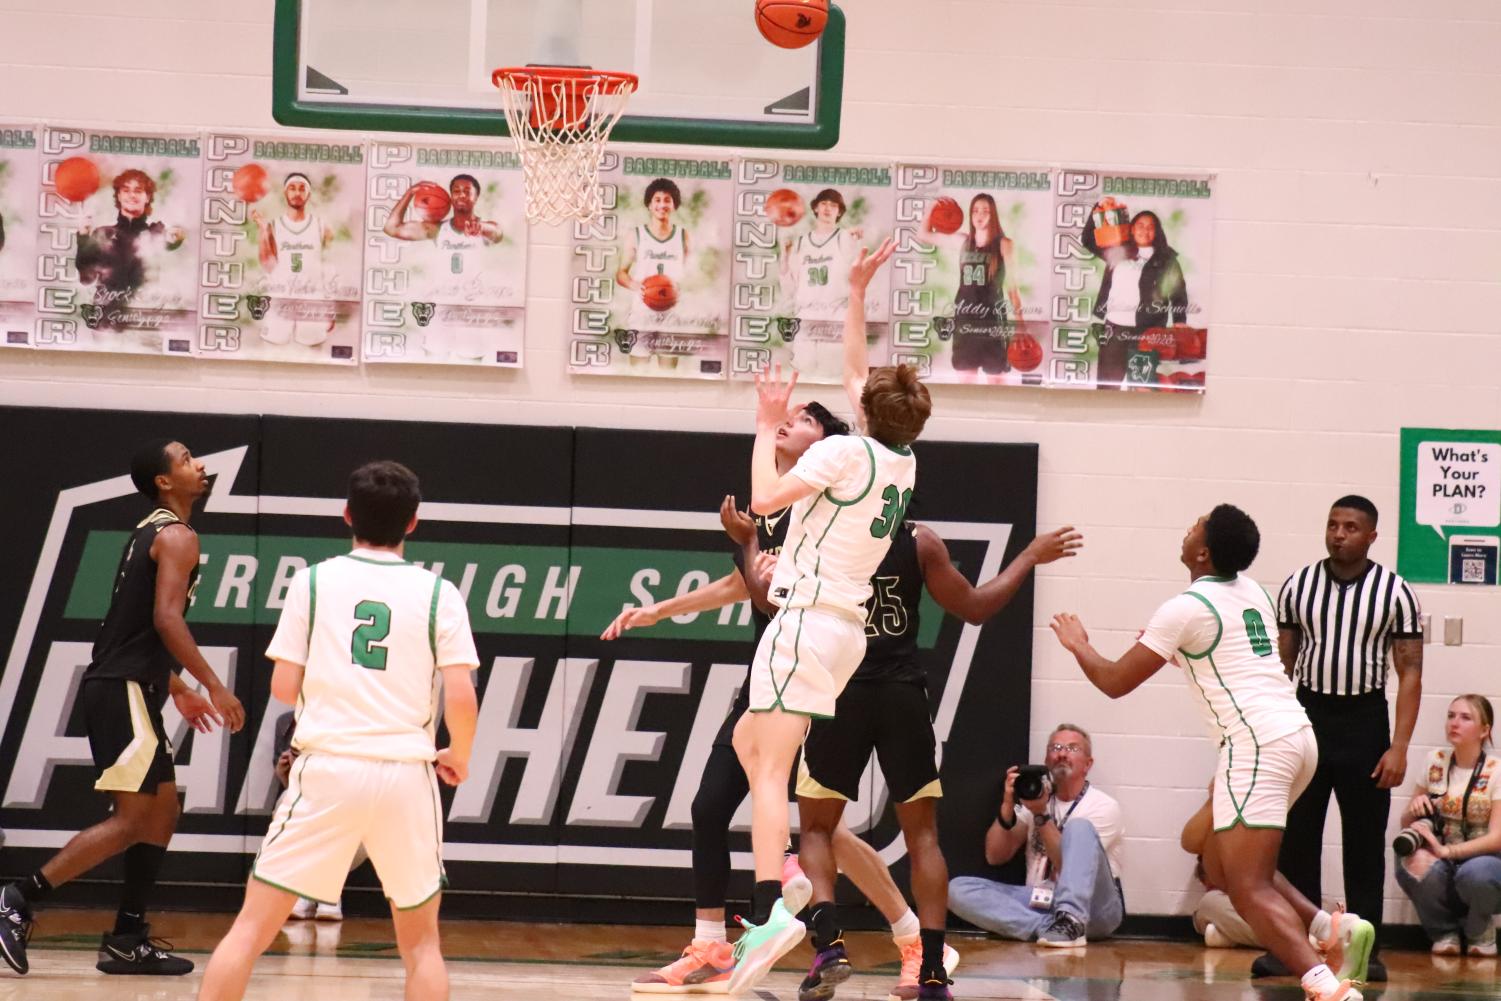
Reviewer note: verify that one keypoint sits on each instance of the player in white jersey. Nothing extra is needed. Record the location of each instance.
(291, 255)
(1221, 633)
(848, 495)
(815, 279)
(364, 643)
(660, 247)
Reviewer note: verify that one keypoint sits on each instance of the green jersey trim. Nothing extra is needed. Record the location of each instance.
(1230, 745)
(1216, 580)
(377, 563)
(312, 603)
(432, 618)
(291, 809)
(870, 452)
(813, 239)
(898, 449)
(666, 239)
(287, 889)
(1219, 627)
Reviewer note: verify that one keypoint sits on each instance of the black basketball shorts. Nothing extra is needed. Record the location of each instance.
(888, 717)
(126, 736)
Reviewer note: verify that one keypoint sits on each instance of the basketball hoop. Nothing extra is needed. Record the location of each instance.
(560, 119)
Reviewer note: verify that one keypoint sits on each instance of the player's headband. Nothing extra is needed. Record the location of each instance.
(294, 175)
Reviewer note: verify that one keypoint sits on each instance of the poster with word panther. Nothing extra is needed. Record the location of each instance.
(283, 248)
(18, 201)
(972, 272)
(650, 278)
(445, 255)
(798, 228)
(1131, 280)
(117, 240)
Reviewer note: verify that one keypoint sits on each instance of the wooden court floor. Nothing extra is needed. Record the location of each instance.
(356, 961)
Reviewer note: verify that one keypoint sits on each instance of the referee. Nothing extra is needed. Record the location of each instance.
(1340, 621)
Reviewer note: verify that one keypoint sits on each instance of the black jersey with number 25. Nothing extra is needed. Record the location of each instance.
(891, 614)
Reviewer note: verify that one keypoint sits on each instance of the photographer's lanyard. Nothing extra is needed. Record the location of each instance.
(1047, 871)
(1464, 803)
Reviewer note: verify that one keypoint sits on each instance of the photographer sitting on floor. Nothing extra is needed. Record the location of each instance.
(1073, 833)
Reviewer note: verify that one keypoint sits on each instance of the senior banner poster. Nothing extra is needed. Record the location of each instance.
(18, 181)
(445, 257)
(798, 228)
(283, 248)
(117, 240)
(1131, 280)
(972, 272)
(650, 278)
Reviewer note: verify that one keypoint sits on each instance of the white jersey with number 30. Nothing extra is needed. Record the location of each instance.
(371, 631)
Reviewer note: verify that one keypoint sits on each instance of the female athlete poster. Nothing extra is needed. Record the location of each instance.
(445, 255)
(972, 272)
(18, 182)
(1131, 280)
(650, 278)
(283, 248)
(117, 240)
(798, 228)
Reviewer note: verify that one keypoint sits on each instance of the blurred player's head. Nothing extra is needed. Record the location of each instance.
(809, 423)
(297, 190)
(828, 206)
(663, 198)
(1222, 543)
(896, 405)
(1351, 529)
(163, 467)
(382, 505)
(463, 191)
(1146, 231)
(134, 193)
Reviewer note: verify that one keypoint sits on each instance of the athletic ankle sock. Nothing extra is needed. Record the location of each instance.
(709, 931)
(142, 864)
(1321, 925)
(825, 921)
(1320, 980)
(766, 893)
(35, 888)
(932, 951)
(904, 929)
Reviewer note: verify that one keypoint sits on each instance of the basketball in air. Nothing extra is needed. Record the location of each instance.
(784, 207)
(1024, 353)
(947, 216)
(791, 23)
(77, 178)
(659, 293)
(431, 201)
(250, 183)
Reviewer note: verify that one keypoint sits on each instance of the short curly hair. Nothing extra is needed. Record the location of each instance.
(896, 405)
(1233, 539)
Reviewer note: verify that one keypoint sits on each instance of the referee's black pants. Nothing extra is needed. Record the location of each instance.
(1353, 732)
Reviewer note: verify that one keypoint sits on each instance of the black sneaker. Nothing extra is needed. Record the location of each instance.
(137, 953)
(1267, 965)
(1375, 971)
(933, 985)
(15, 928)
(831, 967)
(1064, 932)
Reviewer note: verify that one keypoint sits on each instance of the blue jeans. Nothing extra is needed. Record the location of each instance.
(1085, 889)
(1455, 898)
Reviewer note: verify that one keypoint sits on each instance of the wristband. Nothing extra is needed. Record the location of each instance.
(1000, 819)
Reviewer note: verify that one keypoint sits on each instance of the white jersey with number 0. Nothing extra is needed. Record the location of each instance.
(1223, 634)
(456, 253)
(299, 257)
(371, 632)
(838, 536)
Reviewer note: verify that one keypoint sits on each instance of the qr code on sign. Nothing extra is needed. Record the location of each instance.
(1472, 571)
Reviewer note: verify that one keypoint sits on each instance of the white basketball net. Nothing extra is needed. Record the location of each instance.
(560, 124)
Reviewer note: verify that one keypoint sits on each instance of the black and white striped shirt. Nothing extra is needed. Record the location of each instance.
(1347, 626)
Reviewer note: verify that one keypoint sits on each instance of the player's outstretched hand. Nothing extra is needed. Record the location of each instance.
(1057, 545)
(229, 708)
(631, 618)
(868, 263)
(772, 397)
(198, 711)
(737, 524)
(450, 768)
(1070, 631)
(257, 218)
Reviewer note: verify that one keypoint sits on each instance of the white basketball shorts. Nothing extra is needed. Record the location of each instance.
(1256, 786)
(803, 661)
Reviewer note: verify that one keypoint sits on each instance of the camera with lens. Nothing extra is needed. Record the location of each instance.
(1031, 781)
(1409, 840)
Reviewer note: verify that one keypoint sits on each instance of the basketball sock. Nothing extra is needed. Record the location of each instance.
(904, 929)
(1320, 981)
(932, 951)
(825, 921)
(709, 931)
(766, 893)
(142, 864)
(35, 888)
(1322, 925)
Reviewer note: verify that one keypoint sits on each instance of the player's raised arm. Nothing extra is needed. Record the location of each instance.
(856, 354)
(266, 240)
(1113, 677)
(399, 227)
(955, 594)
(770, 490)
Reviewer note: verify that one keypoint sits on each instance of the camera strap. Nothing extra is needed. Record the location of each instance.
(1464, 804)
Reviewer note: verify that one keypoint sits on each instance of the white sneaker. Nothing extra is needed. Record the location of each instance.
(1216, 939)
(1484, 946)
(329, 912)
(1447, 945)
(305, 909)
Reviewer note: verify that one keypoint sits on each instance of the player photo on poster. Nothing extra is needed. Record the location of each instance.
(283, 248)
(18, 186)
(798, 228)
(445, 258)
(650, 279)
(117, 241)
(972, 272)
(1131, 281)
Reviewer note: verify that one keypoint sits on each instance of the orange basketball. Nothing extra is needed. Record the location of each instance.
(659, 292)
(77, 178)
(1024, 352)
(784, 207)
(431, 201)
(250, 182)
(947, 216)
(791, 23)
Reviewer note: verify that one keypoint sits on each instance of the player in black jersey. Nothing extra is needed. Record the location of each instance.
(143, 639)
(884, 708)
